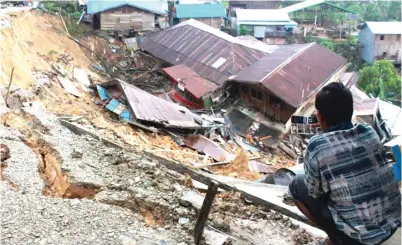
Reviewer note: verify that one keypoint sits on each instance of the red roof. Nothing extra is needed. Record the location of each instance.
(296, 75)
(190, 80)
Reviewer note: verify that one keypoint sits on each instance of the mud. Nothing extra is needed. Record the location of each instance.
(80, 191)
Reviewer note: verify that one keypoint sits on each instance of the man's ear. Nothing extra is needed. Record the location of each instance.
(322, 121)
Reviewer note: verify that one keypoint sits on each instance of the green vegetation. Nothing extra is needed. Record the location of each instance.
(374, 10)
(52, 52)
(225, 3)
(309, 37)
(70, 13)
(244, 30)
(381, 80)
(348, 49)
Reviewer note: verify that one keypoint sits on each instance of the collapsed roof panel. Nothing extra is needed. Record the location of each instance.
(212, 54)
(190, 80)
(148, 107)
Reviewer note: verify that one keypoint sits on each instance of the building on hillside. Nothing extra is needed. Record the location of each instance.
(284, 81)
(264, 23)
(319, 12)
(380, 40)
(189, 88)
(242, 4)
(127, 17)
(211, 53)
(210, 14)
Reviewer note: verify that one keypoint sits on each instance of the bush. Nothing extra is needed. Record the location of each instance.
(309, 37)
(50, 6)
(243, 30)
(74, 29)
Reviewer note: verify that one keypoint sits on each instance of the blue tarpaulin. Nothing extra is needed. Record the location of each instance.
(118, 108)
(102, 93)
(125, 115)
(396, 167)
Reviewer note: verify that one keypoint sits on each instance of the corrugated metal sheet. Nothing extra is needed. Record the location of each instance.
(302, 5)
(385, 27)
(299, 78)
(349, 79)
(260, 69)
(153, 6)
(148, 107)
(208, 147)
(200, 48)
(191, 81)
(261, 15)
(200, 10)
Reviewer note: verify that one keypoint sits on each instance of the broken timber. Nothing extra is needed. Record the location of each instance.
(205, 210)
(199, 176)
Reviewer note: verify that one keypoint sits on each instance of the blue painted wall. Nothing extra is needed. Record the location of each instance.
(366, 39)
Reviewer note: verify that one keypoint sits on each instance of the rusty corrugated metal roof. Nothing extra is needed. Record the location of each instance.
(190, 80)
(260, 69)
(148, 107)
(297, 77)
(212, 54)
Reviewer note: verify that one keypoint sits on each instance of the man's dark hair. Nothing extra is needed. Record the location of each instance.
(335, 103)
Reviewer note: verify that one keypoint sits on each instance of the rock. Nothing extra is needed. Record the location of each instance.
(192, 198)
(221, 225)
(183, 220)
(214, 238)
(4, 152)
(76, 154)
(123, 63)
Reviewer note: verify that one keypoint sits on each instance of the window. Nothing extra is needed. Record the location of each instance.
(244, 88)
(398, 38)
(382, 37)
(384, 54)
(256, 94)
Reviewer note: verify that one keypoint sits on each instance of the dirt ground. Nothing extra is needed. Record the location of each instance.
(37, 40)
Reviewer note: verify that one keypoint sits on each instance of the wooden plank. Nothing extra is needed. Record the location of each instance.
(204, 212)
(180, 168)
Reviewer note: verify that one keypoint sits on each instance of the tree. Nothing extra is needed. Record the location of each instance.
(349, 49)
(243, 30)
(225, 3)
(375, 10)
(381, 80)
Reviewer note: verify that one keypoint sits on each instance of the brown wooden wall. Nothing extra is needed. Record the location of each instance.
(127, 18)
(270, 105)
(214, 22)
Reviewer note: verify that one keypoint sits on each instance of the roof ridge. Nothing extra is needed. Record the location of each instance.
(287, 61)
(218, 33)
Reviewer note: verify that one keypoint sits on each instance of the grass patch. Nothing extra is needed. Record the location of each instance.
(52, 52)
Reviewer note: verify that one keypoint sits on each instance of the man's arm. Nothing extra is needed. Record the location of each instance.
(312, 175)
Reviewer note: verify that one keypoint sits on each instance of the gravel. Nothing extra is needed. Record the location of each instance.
(36, 219)
(137, 199)
(22, 166)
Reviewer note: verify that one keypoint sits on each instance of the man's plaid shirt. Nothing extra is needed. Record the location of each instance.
(348, 165)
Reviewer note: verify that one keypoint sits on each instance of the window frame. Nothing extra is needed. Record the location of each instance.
(255, 93)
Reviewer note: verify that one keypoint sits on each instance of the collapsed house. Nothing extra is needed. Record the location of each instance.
(126, 17)
(282, 82)
(212, 54)
(138, 107)
(190, 89)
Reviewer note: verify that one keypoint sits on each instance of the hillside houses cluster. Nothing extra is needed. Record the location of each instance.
(205, 64)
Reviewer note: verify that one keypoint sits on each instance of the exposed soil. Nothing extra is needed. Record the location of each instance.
(80, 191)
